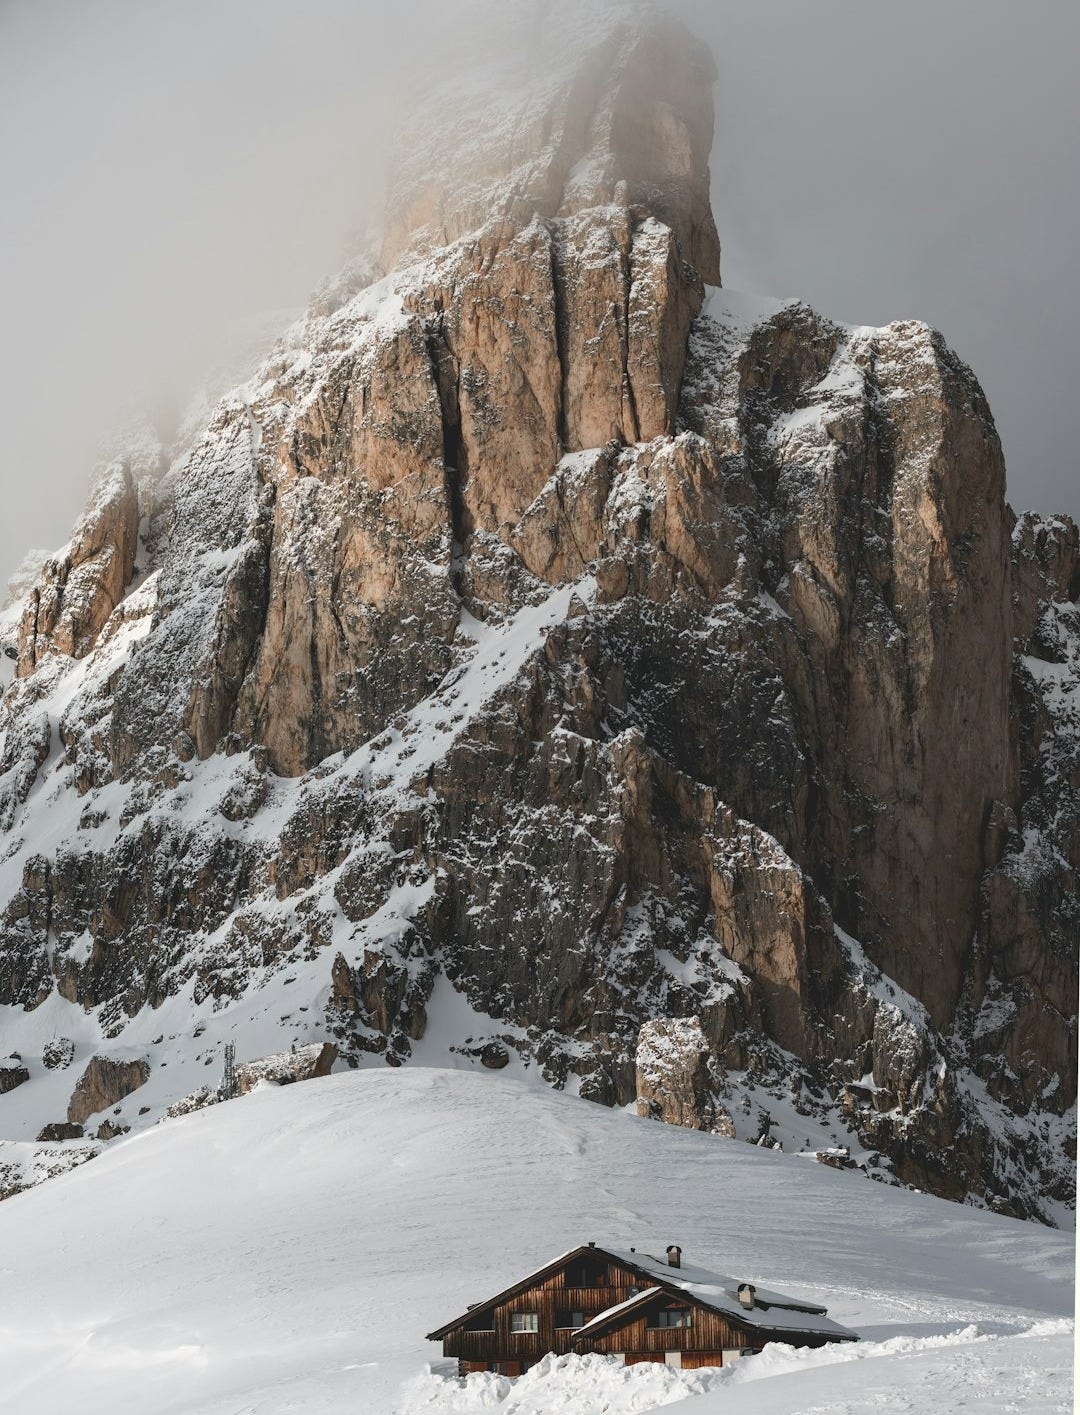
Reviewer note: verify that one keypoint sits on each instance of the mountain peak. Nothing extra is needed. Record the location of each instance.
(533, 665)
(608, 107)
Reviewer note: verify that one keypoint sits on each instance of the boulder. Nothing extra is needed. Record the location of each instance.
(60, 1130)
(12, 1073)
(494, 1056)
(58, 1053)
(108, 1130)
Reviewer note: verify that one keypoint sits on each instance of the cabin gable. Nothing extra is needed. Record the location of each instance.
(523, 1323)
(669, 1321)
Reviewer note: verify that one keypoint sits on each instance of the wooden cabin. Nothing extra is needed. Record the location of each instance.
(632, 1306)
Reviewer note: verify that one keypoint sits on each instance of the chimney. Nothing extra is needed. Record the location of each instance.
(674, 1256)
(746, 1295)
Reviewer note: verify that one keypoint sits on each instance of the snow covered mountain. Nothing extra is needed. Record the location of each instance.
(287, 1252)
(551, 660)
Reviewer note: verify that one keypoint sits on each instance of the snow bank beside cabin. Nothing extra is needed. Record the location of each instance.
(572, 1385)
(1029, 1368)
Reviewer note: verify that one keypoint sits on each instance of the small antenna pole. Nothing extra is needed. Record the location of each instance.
(227, 1089)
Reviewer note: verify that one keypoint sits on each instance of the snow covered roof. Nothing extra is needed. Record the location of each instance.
(689, 1277)
(772, 1311)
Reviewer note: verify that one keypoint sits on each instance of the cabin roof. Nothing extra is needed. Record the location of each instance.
(779, 1321)
(773, 1311)
(691, 1278)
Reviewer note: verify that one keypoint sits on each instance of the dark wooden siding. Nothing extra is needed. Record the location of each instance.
(610, 1285)
(694, 1360)
(708, 1332)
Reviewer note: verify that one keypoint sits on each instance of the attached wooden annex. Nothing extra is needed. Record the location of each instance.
(632, 1306)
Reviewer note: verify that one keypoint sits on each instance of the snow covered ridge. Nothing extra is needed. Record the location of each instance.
(289, 1250)
(546, 661)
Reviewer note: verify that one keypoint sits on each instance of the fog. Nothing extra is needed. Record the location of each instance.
(178, 178)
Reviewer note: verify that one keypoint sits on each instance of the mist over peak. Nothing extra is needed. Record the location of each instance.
(184, 175)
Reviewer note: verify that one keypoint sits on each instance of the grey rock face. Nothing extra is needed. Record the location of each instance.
(677, 1076)
(644, 688)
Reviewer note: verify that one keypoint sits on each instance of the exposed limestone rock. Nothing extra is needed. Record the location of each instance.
(1023, 999)
(103, 1083)
(883, 479)
(108, 1130)
(22, 755)
(677, 1077)
(81, 586)
(196, 1100)
(283, 1068)
(769, 920)
(836, 1159)
(1045, 570)
(652, 682)
(631, 125)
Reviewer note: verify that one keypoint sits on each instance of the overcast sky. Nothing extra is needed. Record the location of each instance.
(177, 175)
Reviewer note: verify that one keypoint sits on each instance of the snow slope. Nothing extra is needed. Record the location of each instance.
(288, 1251)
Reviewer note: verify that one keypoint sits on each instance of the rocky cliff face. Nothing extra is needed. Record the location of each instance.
(550, 654)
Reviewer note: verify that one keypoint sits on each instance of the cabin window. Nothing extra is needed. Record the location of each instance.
(586, 1274)
(524, 1322)
(672, 1317)
(570, 1319)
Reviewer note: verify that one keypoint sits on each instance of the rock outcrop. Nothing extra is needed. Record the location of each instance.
(677, 1076)
(103, 1084)
(79, 588)
(651, 686)
(286, 1067)
(12, 1073)
(60, 1131)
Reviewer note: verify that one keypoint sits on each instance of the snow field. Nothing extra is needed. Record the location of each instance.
(288, 1251)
